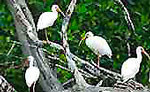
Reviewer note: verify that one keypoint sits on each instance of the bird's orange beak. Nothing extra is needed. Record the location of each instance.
(82, 40)
(59, 10)
(144, 52)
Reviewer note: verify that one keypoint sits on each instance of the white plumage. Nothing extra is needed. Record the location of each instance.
(47, 19)
(132, 65)
(98, 45)
(32, 73)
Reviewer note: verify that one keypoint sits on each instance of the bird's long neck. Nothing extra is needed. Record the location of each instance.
(139, 56)
(31, 63)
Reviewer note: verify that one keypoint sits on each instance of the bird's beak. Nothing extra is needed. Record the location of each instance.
(81, 40)
(143, 51)
(59, 10)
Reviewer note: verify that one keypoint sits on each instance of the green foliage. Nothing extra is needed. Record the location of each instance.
(102, 17)
(16, 76)
(63, 75)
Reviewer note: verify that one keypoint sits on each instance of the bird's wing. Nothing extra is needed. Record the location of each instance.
(31, 75)
(130, 68)
(46, 19)
(98, 45)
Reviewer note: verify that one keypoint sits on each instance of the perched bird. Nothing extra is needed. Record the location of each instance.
(31, 74)
(132, 65)
(47, 19)
(97, 44)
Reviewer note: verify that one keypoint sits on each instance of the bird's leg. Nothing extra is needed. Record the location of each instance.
(98, 60)
(46, 35)
(33, 87)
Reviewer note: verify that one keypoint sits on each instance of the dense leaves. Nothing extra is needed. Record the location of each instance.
(103, 17)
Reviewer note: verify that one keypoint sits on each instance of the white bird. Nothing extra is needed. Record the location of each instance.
(47, 19)
(132, 65)
(97, 44)
(31, 74)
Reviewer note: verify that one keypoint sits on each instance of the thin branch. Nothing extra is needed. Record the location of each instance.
(97, 71)
(52, 44)
(127, 15)
(84, 73)
(54, 57)
(129, 50)
(68, 82)
(13, 45)
(64, 68)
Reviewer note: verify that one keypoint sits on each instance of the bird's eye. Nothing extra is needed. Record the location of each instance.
(55, 7)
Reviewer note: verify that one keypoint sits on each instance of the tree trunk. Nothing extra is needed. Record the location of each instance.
(48, 81)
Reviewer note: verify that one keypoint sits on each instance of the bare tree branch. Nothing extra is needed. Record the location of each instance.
(127, 15)
(97, 71)
(5, 86)
(71, 63)
(129, 22)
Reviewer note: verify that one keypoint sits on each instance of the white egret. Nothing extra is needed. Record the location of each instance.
(132, 65)
(31, 74)
(47, 19)
(97, 44)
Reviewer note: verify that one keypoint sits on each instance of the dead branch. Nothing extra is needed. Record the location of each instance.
(5, 86)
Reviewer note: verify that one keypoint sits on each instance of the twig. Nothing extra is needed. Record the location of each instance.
(64, 68)
(54, 57)
(88, 75)
(129, 50)
(52, 44)
(13, 45)
(70, 80)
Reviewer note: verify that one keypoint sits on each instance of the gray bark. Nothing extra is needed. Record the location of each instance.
(5, 86)
(23, 20)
